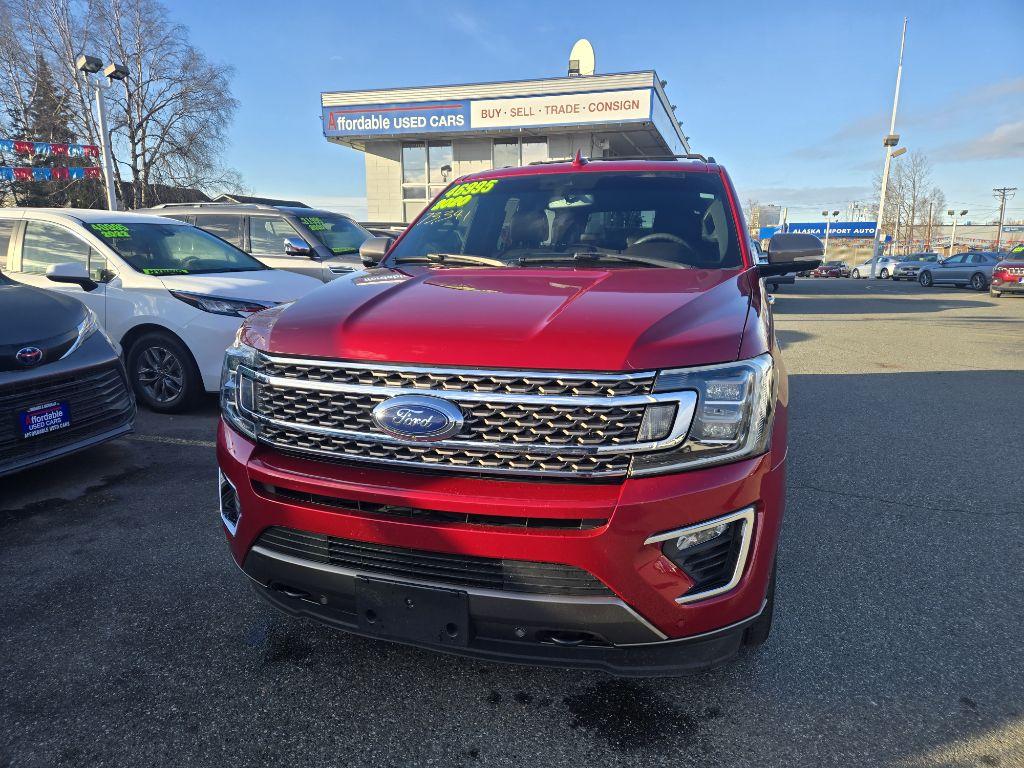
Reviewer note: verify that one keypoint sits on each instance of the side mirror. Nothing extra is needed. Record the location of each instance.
(373, 251)
(295, 246)
(73, 273)
(792, 252)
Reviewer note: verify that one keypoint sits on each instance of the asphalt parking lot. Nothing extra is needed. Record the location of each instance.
(129, 638)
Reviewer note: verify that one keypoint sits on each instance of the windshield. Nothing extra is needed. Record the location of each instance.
(339, 233)
(172, 249)
(671, 219)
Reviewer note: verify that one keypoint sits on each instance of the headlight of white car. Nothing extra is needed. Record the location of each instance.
(219, 305)
(732, 420)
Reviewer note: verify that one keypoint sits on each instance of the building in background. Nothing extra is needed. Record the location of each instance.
(416, 140)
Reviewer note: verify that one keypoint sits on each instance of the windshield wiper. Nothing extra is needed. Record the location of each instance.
(594, 256)
(451, 258)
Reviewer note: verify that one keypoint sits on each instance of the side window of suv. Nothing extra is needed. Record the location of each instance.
(47, 244)
(225, 226)
(6, 230)
(267, 234)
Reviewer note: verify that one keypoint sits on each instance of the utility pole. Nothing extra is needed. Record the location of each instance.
(928, 237)
(889, 142)
(1004, 194)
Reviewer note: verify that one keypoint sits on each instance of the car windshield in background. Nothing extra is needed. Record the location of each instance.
(339, 234)
(172, 249)
(619, 219)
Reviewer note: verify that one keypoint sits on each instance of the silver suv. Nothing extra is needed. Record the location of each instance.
(309, 241)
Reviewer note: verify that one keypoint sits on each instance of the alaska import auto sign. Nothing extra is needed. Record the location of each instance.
(478, 114)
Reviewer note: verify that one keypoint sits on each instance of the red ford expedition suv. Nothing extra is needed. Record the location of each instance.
(548, 425)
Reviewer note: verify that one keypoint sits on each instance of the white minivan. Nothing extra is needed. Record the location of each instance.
(172, 295)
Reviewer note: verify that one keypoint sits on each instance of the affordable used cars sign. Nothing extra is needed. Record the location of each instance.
(463, 115)
(393, 119)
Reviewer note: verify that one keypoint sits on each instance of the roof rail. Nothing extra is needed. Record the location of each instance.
(629, 157)
(690, 156)
(224, 204)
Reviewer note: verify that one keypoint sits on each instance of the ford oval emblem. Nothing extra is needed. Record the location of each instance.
(415, 417)
(29, 356)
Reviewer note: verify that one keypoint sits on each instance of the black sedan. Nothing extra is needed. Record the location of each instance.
(62, 384)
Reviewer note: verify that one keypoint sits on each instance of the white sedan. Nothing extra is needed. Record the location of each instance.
(884, 269)
(172, 295)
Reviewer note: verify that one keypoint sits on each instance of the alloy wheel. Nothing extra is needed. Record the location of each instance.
(160, 374)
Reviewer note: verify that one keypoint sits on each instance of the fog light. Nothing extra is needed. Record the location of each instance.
(699, 537)
(657, 422)
(230, 505)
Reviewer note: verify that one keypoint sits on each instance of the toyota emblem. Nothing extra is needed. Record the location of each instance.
(29, 356)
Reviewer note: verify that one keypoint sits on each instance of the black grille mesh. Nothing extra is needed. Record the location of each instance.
(434, 567)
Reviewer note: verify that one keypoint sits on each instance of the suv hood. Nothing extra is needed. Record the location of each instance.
(261, 285)
(560, 319)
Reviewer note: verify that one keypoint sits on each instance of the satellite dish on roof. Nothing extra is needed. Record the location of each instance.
(581, 59)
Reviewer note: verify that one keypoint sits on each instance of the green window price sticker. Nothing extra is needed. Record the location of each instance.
(460, 194)
(111, 230)
(315, 223)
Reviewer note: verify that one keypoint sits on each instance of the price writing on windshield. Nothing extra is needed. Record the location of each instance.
(460, 194)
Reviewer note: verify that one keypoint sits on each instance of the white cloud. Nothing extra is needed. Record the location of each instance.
(806, 196)
(1001, 143)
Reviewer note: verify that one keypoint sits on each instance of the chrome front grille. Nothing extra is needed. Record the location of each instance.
(491, 422)
(564, 425)
(440, 380)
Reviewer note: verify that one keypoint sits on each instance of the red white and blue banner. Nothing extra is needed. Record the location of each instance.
(54, 173)
(46, 148)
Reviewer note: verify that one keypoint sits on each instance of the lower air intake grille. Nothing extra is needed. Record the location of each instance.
(434, 517)
(434, 567)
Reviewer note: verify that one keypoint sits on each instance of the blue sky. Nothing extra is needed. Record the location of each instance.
(792, 98)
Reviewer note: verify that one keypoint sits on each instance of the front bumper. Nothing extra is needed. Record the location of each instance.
(1003, 286)
(93, 383)
(637, 628)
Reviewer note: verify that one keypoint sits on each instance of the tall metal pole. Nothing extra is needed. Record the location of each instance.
(107, 158)
(827, 222)
(1002, 193)
(952, 236)
(888, 154)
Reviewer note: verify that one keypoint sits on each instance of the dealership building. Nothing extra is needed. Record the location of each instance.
(416, 140)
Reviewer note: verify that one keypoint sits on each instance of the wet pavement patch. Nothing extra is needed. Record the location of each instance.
(632, 716)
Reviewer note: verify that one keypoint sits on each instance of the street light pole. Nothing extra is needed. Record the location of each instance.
(824, 255)
(107, 160)
(890, 141)
(89, 67)
(952, 236)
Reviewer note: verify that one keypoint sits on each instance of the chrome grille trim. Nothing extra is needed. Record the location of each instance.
(476, 379)
(497, 446)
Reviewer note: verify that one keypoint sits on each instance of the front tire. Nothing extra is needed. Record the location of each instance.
(978, 282)
(855, 274)
(884, 274)
(925, 279)
(163, 374)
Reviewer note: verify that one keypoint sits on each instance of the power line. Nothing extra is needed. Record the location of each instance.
(1004, 194)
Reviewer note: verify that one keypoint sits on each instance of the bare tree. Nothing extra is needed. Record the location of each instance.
(909, 198)
(170, 120)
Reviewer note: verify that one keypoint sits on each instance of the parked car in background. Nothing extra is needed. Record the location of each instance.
(883, 269)
(448, 459)
(831, 269)
(973, 268)
(62, 385)
(309, 241)
(170, 294)
(908, 267)
(1008, 274)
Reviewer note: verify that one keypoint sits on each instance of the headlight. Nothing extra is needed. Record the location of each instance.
(90, 324)
(732, 421)
(221, 306)
(237, 388)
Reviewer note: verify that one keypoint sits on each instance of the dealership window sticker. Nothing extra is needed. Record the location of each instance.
(111, 230)
(461, 194)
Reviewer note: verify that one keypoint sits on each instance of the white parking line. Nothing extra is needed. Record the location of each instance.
(173, 440)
